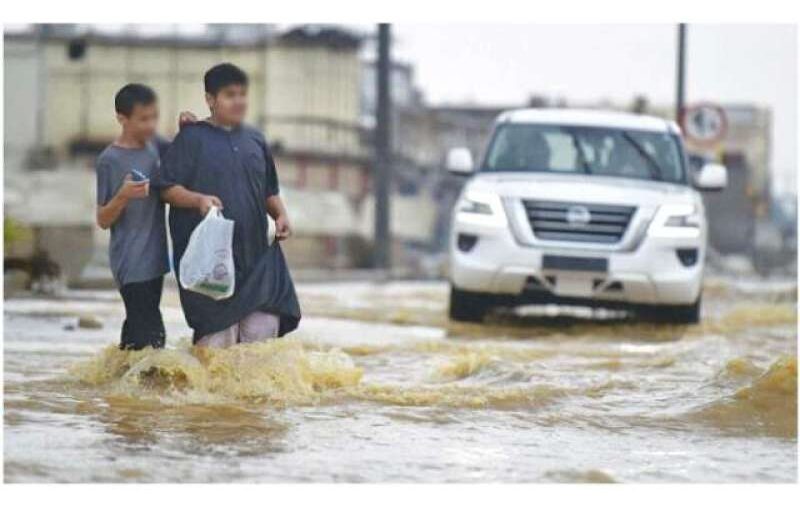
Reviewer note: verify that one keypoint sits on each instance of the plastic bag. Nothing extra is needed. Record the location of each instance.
(207, 264)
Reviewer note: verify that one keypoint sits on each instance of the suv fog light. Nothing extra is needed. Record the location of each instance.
(466, 242)
(688, 257)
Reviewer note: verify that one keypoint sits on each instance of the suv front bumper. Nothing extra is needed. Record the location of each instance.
(650, 274)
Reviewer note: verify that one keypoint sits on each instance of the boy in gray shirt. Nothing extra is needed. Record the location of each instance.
(138, 250)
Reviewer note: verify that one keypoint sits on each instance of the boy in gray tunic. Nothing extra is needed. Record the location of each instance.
(138, 249)
(223, 162)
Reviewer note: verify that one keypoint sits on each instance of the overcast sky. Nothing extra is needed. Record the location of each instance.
(505, 64)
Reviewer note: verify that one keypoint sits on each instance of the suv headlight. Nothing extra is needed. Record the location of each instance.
(676, 221)
(481, 206)
(473, 206)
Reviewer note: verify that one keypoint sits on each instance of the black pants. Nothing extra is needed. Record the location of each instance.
(143, 324)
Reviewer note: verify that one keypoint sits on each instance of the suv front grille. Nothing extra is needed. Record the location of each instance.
(578, 222)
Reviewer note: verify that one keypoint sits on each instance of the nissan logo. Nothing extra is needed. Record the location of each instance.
(578, 215)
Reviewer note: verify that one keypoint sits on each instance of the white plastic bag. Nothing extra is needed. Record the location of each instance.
(207, 264)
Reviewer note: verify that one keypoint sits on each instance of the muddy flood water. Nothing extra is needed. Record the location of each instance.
(377, 385)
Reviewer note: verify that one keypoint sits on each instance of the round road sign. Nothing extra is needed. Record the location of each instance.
(704, 123)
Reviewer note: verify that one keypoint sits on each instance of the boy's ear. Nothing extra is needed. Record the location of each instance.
(210, 100)
(121, 119)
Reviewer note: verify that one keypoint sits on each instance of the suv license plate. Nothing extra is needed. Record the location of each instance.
(574, 264)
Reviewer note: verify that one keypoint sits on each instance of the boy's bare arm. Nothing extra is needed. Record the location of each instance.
(181, 197)
(109, 213)
(277, 211)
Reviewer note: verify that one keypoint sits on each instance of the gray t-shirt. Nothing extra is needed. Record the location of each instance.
(138, 250)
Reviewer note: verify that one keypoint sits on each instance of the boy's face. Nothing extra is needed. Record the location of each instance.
(142, 122)
(229, 106)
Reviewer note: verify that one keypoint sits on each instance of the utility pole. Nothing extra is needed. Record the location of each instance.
(680, 73)
(383, 150)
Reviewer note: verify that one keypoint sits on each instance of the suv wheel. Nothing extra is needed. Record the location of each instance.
(674, 314)
(468, 306)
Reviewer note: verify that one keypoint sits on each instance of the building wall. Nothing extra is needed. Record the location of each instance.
(313, 81)
(305, 98)
(79, 96)
(312, 99)
(20, 68)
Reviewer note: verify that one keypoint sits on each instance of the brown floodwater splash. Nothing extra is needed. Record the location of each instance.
(281, 372)
(285, 372)
(768, 405)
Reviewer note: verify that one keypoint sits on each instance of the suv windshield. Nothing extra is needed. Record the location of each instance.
(637, 154)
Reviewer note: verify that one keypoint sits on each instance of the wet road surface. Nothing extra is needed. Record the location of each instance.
(377, 385)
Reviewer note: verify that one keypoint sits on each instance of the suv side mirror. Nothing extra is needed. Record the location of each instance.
(459, 161)
(711, 177)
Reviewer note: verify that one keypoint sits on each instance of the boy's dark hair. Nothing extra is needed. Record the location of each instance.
(132, 94)
(222, 75)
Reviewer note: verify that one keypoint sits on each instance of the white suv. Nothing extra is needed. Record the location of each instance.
(580, 208)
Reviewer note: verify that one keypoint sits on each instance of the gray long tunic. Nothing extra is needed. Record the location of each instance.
(237, 167)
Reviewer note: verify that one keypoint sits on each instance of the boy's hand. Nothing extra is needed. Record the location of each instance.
(205, 202)
(134, 190)
(186, 118)
(283, 229)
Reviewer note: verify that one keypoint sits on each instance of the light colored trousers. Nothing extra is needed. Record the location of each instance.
(255, 327)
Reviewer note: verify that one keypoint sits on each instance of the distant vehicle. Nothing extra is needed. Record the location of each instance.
(585, 208)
